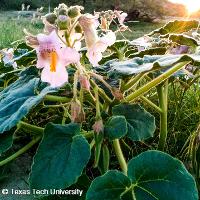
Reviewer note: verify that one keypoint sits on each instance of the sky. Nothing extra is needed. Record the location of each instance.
(192, 5)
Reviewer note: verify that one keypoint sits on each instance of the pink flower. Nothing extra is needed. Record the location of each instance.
(98, 126)
(84, 81)
(77, 112)
(53, 57)
(96, 45)
(8, 56)
(121, 16)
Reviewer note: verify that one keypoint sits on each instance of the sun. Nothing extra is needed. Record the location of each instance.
(192, 5)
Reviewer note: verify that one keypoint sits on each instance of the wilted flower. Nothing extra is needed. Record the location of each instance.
(96, 46)
(8, 55)
(117, 94)
(53, 57)
(77, 113)
(84, 81)
(98, 126)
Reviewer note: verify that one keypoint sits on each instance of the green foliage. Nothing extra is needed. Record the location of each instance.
(141, 124)
(18, 99)
(6, 141)
(176, 27)
(151, 175)
(116, 127)
(112, 124)
(65, 151)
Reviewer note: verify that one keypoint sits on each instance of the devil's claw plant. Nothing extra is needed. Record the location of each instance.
(79, 94)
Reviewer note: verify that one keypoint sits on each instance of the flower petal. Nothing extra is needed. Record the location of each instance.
(109, 39)
(94, 56)
(68, 56)
(56, 79)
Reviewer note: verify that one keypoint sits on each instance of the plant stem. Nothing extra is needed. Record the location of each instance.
(131, 83)
(163, 102)
(57, 99)
(156, 108)
(102, 93)
(21, 151)
(40, 130)
(30, 127)
(120, 156)
(155, 82)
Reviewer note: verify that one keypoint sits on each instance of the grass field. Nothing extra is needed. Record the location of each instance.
(11, 29)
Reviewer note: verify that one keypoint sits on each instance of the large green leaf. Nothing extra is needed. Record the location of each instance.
(109, 186)
(177, 26)
(149, 51)
(160, 176)
(147, 63)
(153, 175)
(18, 99)
(61, 157)
(141, 124)
(183, 40)
(115, 127)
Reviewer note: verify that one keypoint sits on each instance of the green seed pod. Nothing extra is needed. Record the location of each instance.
(62, 11)
(106, 158)
(51, 18)
(78, 28)
(74, 11)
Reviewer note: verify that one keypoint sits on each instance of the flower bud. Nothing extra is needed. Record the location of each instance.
(77, 113)
(98, 126)
(78, 28)
(85, 83)
(62, 22)
(62, 11)
(74, 11)
(51, 18)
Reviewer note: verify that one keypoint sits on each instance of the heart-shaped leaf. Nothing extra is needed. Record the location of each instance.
(152, 175)
(109, 186)
(141, 124)
(138, 65)
(116, 127)
(18, 99)
(177, 26)
(61, 157)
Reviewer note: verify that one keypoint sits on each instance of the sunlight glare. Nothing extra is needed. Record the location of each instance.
(192, 5)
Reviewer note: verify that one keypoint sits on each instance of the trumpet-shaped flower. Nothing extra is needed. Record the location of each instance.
(53, 57)
(95, 45)
(121, 16)
(8, 56)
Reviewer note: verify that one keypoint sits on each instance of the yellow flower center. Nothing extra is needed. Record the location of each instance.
(54, 58)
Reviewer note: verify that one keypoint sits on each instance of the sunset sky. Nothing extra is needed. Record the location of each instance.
(192, 5)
